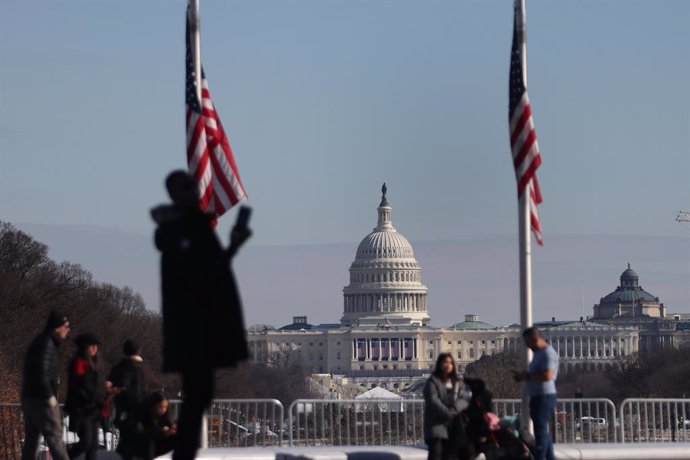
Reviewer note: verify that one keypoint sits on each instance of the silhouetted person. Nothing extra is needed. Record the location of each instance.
(39, 390)
(203, 327)
(127, 378)
(85, 396)
(540, 379)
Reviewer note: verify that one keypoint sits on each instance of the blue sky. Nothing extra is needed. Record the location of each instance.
(325, 100)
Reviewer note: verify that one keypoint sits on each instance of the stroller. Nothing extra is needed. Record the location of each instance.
(497, 439)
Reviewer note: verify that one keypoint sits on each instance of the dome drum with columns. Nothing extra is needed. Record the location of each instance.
(385, 278)
(629, 299)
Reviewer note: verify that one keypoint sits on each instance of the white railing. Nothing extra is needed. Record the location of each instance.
(576, 420)
(12, 432)
(354, 422)
(655, 420)
(384, 422)
(241, 422)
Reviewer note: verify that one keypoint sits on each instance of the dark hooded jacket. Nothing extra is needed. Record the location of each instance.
(41, 367)
(203, 326)
(128, 375)
(85, 391)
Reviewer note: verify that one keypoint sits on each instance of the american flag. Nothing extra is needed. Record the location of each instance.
(209, 156)
(523, 137)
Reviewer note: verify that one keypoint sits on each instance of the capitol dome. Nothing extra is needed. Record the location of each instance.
(385, 278)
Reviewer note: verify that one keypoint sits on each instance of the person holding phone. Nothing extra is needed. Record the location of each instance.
(203, 325)
(540, 378)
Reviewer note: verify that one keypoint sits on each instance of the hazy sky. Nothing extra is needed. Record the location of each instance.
(325, 100)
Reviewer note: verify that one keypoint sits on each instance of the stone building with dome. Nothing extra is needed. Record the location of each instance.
(384, 337)
(629, 300)
(385, 278)
(631, 306)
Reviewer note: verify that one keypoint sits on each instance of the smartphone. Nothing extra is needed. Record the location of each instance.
(243, 217)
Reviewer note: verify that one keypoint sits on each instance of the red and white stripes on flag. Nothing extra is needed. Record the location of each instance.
(523, 137)
(209, 155)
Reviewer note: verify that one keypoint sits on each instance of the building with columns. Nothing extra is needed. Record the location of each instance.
(385, 278)
(629, 300)
(631, 306)
(384, 338)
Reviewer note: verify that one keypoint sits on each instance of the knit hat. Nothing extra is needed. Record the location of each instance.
(55, 319)
(130, 347)
(86, 339)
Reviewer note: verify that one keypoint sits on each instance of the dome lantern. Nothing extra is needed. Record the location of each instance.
(629, 278)
(384, 210)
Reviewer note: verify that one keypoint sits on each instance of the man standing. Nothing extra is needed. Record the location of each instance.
(540, 379)
(203, 327)
(39, 390)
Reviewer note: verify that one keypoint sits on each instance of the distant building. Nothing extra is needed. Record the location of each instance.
(629, 300)
(630, 305)
(383, 338)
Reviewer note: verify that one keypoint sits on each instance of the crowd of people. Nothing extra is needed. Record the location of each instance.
(96, 400)
(203, 330)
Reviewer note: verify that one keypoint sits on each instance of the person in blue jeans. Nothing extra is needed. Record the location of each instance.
(540, 379)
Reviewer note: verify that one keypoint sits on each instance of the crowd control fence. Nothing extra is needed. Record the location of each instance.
(655, 420)
(388, 422)
(241, 422)
(12, 433)
(575, 421)
(354, 422)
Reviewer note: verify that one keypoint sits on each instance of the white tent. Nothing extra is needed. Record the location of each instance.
(379, 397)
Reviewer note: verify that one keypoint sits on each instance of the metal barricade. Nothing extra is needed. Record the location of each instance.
(317, 422)
(241, 422)
(354, 422)
(576, 420)
(655, 420)
(12, 433)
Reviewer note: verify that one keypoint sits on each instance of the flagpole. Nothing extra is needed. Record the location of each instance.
(525, 243)
(194, 22)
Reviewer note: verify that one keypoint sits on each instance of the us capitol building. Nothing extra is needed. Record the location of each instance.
(384, 337)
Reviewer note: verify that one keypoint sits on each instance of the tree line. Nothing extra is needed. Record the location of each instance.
(31, 284)
(662, 373)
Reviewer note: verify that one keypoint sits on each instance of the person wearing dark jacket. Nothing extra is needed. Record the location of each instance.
(127, 378)
(157, 429)
(443, 404)
(203, 327)
(85, 396)
(39, 390)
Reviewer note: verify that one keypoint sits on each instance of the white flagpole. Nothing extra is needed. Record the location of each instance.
(525, 242)
(194, 22)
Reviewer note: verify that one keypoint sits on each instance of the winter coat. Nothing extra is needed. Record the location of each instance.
(128, 375)
(203, 325)
(85, 392)
(441, 405)
(41, 368)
